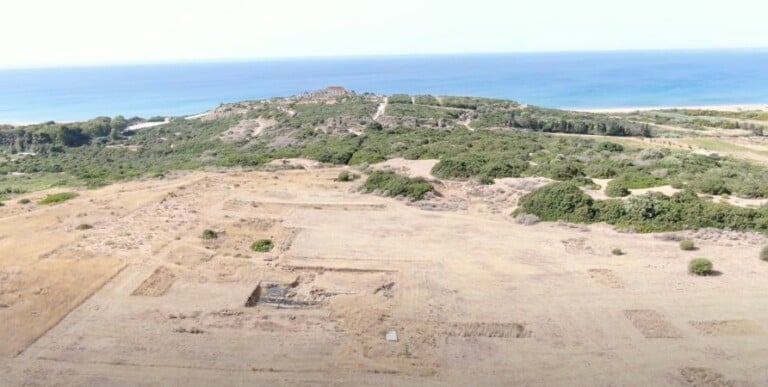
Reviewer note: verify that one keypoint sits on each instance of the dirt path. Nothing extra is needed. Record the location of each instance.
(381, 109)
(466, 124)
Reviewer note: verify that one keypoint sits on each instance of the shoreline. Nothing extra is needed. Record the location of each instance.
(606, 110)
(631, 109)
(143, 125)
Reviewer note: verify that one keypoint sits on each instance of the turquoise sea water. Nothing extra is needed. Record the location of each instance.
(563, 80)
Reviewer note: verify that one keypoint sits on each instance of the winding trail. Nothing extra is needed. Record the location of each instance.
(381, 109)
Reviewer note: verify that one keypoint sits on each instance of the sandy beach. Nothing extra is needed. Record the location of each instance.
(630, 109)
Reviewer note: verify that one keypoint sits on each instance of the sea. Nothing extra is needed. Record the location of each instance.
(559, 80)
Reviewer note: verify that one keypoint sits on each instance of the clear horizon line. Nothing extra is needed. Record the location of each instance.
(362, 56)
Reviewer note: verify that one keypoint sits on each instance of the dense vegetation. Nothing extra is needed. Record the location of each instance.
(644, 213)
(703, 119)
(392, 184)
(507, 142)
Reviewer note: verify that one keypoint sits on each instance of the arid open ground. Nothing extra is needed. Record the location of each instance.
(473, 297)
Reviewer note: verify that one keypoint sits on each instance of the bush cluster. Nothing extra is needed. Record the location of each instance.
(646, 213)
(347, 176)
(468, 165)
(687, 245)
(399, 99)
(77, 155)
(58, 198)
(209, 234)
(392, 184)
(616, 189)
(700, 266)
(262, 246)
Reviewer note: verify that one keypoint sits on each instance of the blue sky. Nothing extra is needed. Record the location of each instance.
(79, 32)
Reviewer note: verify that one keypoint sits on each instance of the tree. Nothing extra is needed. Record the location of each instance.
(72, 137)
(559, 201)
(98, 127)
(119, 123)
(645, 131)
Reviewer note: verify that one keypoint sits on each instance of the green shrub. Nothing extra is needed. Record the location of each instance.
(459, 167)
(485, 179)
(639, 179)
(764, 254)
(700, 266)
(611, 211)
(687, 245)
(652, 154)
(392, 184)
(601, 170)
(209, 234)
(504, 168)
(426, 100)
(84, 226)
(558, 201)
(374, 127)
(564, 170)
(347, 176)
(586, 182)
(676, 184)
(24, 201)
(712, 185)
(262, 246)
(644, 207)
(617, 251)
(609, 147)
(399, 98)
(58, 198)
(616, 189)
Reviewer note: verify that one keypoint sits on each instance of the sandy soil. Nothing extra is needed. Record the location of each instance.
(475, 299)
(410, 168)
(246, 129)
(147, 125)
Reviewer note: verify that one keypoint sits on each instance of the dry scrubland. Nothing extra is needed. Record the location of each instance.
(474, 297)
(267, 269)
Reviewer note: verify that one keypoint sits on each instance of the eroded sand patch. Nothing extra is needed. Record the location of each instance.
(652, 324)
(486, 329)
(157, 284)
(606, 277)
(728, 327)
(704, 377)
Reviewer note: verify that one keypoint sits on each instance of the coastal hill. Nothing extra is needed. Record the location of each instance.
(712, 156)
(342, 238)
